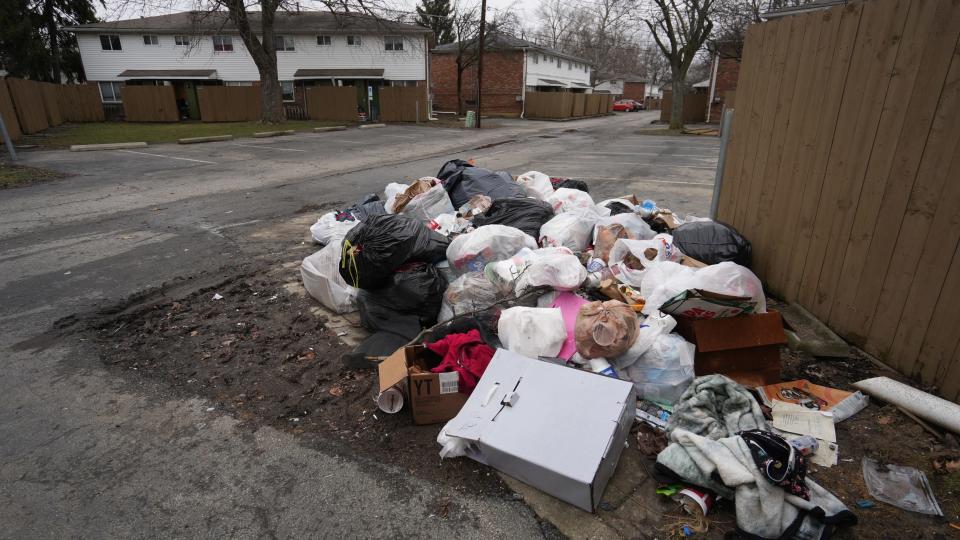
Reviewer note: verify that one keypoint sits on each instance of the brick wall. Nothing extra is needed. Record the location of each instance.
(728, 72)
(502, 82)
(634, 90)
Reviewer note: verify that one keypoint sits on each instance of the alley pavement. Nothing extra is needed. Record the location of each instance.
(84, 453)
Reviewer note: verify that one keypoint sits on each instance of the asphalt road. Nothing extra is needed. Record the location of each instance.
(87, 454)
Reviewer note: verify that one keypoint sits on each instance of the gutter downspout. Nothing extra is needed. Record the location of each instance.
(713, 85)
(523, 89)
(426, 66)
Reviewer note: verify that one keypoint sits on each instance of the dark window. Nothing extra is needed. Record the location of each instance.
(181, 41)
(287, 88)
(110, 42)
(324, 41)
(284, 43)
(223, 43)
(110, 92)
(151, 40)
(353, 41)
(393, 43)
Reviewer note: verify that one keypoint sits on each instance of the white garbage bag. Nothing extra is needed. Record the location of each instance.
(429, 204)
(532, 332)
(650, 329)
(568, 200)
(571, 230)
(390, 194)
(645, 252)
(665, 371)
(536, 184)
(727, 278)
(321, 277)
(328, 229)
(551, 267)
(472, 251)
(631, 222)
(660, 273)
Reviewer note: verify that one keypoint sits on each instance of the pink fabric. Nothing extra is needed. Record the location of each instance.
(569, 305)
(466, 354)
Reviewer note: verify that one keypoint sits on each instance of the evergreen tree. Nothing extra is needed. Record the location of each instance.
(33, 43)
(437, 15)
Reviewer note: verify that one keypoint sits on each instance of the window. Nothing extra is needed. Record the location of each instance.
(222, 43)
(393, 43)
(181, 41)
(284, 43)
(559, 63)
(324, 41)
(287, 89)
(110, 92)
(110, 42)
(353, 41)
(151, 40)
(536, 59)
(569, 66)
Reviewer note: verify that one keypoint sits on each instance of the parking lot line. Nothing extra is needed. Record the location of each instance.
(593, 163)
(643, 154)
(168, 157)
(640, 179)
(268, 147)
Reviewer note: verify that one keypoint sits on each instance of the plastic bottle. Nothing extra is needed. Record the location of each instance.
(806, 444)
(601, 366)
(647, 208)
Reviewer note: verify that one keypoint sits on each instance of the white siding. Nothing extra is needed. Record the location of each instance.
(614, 87)
(100, 65)
(548, 69)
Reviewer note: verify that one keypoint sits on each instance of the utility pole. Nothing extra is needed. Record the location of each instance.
(483, 26)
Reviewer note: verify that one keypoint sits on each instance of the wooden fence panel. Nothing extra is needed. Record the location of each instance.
(9, 112)
(402, 103)
(842, 169)
(51, 104)
(80, 103)
(579, 105)
(229, 103)
(694, 107)
(149, 104)
(332, 103)
(28, 101)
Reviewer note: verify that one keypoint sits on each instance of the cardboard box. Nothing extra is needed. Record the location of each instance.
(556, 428)
(433, 397)
(745, 348)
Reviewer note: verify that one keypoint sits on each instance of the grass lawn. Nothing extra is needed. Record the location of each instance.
(115, 132)
(19, 175)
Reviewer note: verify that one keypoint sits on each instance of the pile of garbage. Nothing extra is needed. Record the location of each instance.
(489, 296)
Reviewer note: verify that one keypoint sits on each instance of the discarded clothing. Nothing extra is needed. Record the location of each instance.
(465, 354)
(715, 406)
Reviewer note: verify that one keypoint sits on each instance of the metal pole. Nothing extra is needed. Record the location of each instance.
(725, 125)
(483, 26)
(417, 105)
(6, 140)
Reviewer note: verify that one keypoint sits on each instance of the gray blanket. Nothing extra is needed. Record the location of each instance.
(705, 451)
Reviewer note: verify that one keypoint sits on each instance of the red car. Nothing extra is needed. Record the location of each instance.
(627, 105)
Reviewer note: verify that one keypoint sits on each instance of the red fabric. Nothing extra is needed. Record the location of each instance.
(466, 354)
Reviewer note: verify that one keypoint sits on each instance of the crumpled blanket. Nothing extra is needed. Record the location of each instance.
(705, 451)
(467, 354)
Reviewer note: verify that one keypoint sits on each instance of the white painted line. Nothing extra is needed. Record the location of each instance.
(645, 180)
(594, 163)
(407, 137)
(268, 147)
(656, 154)
(346, 141)
(168, 157)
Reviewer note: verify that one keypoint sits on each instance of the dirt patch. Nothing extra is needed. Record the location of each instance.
(12, 176)
(264, 354)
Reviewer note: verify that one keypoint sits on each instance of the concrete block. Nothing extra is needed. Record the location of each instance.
(106, 146)
(263, 134)
(365, 126)
(213, 138)
(331, 128)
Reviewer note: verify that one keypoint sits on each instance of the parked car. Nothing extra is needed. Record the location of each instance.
(625, 105)
(640, 105)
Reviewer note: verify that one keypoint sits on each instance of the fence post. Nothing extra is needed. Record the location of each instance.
(417, 106)
(725, 125)
(6, 139)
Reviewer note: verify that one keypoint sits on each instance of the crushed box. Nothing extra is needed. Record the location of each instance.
(745, 348)
(556, 428)
(433, 397)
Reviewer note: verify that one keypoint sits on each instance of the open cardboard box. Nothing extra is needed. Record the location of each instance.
(555, 428)
(433, 397)
(745, 348)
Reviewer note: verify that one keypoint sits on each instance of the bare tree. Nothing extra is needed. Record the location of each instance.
(680, 28)
(654, 66)
(465, 28)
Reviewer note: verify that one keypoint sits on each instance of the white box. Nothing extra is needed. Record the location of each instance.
(556, 428)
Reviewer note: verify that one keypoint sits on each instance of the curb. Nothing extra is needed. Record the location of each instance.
(213, 138)
(370, 126)
(331, 128)
(264, 134)
(106, 146)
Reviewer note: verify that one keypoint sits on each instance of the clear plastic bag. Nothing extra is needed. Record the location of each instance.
(629, 259)
(551, 267)
(664, 371)
(903, 487)
(390, 195)
(322, 280)
(574, 200)
(605, 329)
(638, 228)
(571, 230)
(328, 230)
(532, 332)
(723, 278)
(536, 184)
(472, 251)
(471, 292)
(429, 204)
(649, 331)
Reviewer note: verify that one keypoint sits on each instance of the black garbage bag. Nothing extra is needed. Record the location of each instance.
(572, 184)
(410, 301)
(712, 242)
(369, 205)
(373, 249)
(618, 208)
(463, 180)
(527, 214)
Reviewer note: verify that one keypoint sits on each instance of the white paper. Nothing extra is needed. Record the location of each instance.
(792, 419)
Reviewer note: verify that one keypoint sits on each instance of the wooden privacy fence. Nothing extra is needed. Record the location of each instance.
(80, 103)
(32, 106)
(9, 112)
(332, 103)
(149, 104)
(843, 169)
(29, 103)
(229, 103)
(401, 104)
(557, 105)
(694, 107)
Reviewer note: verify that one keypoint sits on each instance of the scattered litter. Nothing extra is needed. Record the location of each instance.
(903, 487)
(217, 296)
(67, 273)
(865, 504)
(341, 334)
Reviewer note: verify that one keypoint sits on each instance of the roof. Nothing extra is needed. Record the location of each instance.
(502, 41)
(338, 73)
(284, 22)
(702, 84)
(815, 5)
(167, 74)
